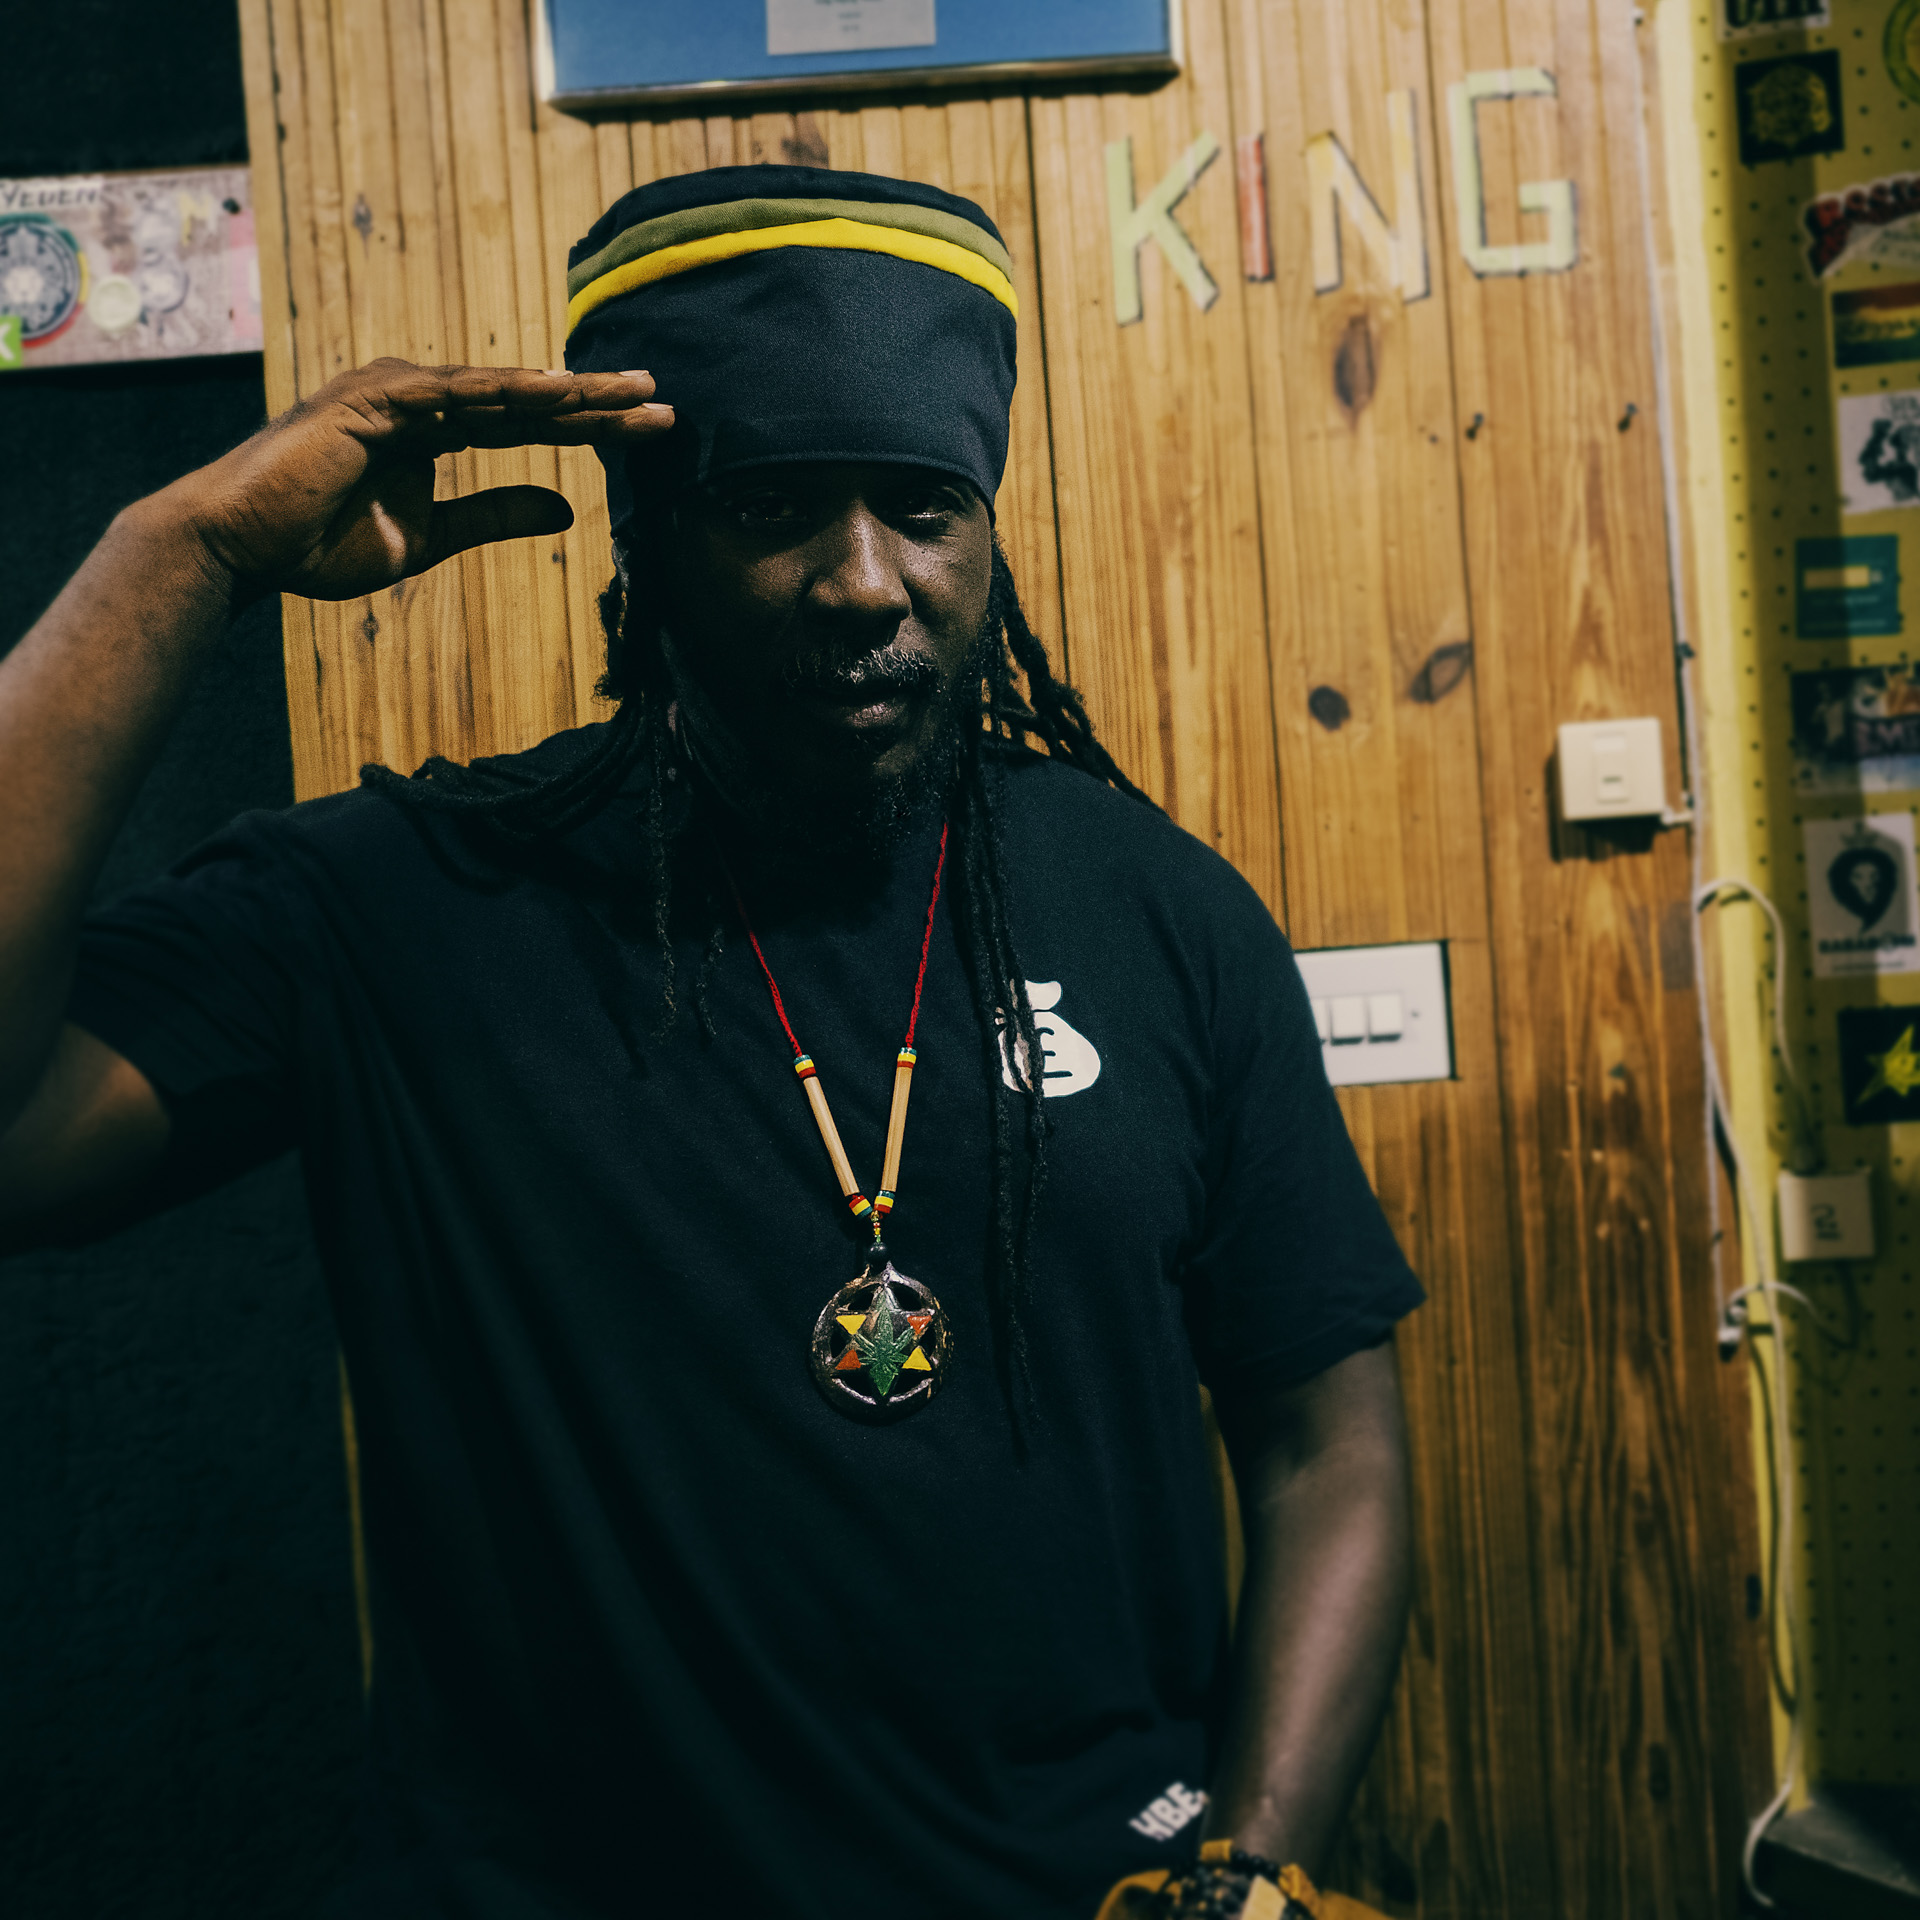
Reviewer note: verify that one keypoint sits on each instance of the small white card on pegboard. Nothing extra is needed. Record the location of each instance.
(1862, 908)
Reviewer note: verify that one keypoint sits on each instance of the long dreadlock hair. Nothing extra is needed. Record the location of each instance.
(1022, 701)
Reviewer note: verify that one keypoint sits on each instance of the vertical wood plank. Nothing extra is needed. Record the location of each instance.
(1569, 589)
(424, 656)
(1737, 1701)
(1154, 470)
(1374, 703)
(270, 203)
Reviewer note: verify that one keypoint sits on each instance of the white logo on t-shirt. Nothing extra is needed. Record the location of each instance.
(1163, 1816)
(1069, 1062)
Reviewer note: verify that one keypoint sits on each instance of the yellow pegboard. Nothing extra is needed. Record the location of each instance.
(1757, 326)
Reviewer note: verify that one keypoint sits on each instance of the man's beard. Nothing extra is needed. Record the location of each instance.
(853, 828)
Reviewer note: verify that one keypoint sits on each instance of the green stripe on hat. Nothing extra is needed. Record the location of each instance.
(736, 216)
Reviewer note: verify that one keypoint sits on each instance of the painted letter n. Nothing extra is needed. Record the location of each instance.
(1131, 226)
(1336, 190)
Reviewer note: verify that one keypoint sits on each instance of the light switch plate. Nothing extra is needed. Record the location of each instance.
(1611, 770)
(1826, 1216)
(1381, 1011)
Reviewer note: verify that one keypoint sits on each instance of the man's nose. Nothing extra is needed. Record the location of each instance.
(858, 575)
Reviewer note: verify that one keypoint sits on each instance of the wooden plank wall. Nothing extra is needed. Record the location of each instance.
(1330, 568)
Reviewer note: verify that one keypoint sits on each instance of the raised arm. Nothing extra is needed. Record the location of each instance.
(332, 500)
(1321, 1471)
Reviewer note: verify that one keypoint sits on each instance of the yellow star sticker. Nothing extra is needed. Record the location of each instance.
(1897, 1071)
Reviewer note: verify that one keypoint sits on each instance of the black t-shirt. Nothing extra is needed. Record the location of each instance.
(657, 1628)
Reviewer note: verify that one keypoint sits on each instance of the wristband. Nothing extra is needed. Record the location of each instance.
(1225, 1883)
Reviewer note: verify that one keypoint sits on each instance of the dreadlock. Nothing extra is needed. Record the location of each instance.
(1022, 701)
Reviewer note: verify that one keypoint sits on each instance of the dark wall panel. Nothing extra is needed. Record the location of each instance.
(179, 1679)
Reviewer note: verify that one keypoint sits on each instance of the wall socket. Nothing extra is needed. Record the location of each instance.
(1826, 1216)
(1611, 770)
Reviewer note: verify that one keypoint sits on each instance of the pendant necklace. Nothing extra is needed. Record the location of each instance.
(881, 1344)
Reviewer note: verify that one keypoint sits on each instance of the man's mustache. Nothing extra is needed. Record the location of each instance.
(836, 672)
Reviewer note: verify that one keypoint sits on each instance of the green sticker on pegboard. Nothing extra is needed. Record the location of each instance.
(1846, 587)
(13, 352)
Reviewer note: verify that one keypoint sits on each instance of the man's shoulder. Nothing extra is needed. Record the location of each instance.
(368, 814)
(1066, 815)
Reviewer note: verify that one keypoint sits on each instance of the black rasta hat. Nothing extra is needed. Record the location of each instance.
(794, 313)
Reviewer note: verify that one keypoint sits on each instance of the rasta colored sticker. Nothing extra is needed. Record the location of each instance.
(43, 275)
(1877, 326)
(881, 1346)
(1790, 106)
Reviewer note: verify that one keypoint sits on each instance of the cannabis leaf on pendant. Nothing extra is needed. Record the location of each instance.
(884, 1341)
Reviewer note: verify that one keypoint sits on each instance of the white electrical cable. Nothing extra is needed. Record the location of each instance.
(1779, 1606)
(1703, 897)
(1772, 1291)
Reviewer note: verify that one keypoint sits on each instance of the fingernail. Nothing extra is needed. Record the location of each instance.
(655, 406)
(636, 373)
(558, 373)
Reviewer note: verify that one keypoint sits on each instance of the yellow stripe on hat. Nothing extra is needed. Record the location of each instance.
(848, 236)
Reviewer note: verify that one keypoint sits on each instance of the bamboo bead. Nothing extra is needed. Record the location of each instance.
(830, 1134)
(897, 1122)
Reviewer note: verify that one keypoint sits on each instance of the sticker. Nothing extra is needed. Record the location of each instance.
(115, 305)
(43, 275)
(1879, 451)
(1880, 1064)
(1860, 892)
(1846, 587)
(1900, 47)
(1856, 730)
(13, 352)
(1877, 326)
(1838, 223)
(1742, 19)
(847, 26)
(1789, 106)
(129, 266)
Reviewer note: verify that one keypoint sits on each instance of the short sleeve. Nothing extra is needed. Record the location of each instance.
(196, 979)
(1296, 1266)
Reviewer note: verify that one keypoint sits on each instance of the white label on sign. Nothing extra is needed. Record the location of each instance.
(847, 26)
(1860, 892)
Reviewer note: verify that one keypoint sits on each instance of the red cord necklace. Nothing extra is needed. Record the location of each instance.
(881, 1344)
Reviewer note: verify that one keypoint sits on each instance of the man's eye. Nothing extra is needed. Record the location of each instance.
(765, 509)
(934, 503)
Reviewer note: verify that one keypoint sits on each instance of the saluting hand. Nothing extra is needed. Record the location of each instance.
(335, 498)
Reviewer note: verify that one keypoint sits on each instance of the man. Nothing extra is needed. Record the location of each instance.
(750, 1535)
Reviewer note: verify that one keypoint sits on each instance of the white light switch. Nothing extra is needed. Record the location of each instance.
(1611, 770)
(1381, 1012)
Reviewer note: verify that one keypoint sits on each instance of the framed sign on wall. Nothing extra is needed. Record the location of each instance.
(609, 54)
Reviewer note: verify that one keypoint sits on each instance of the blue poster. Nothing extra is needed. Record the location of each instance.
(607, 53)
